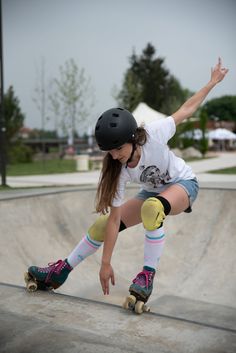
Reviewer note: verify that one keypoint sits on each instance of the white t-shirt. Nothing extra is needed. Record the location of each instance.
(158, 166)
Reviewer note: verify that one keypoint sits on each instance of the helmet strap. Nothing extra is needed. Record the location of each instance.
(132, 153)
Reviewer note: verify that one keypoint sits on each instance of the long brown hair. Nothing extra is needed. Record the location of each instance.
(110, 173)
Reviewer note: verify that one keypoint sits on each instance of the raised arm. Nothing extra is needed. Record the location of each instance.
(190, 106)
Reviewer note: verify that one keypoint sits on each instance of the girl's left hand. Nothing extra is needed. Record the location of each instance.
(218, 72)
(106, 274)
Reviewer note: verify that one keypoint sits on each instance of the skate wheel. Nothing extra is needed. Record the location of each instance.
(139, 307)
(129, 302)
(31, 285)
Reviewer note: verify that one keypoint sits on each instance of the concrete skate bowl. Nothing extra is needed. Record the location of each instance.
(198, 261)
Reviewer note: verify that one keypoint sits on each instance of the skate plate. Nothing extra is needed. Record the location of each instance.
(32, 284)
(135, 304)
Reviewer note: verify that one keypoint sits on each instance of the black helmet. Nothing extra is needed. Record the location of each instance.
(115, 127)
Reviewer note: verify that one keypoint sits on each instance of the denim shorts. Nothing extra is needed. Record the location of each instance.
(190, 186)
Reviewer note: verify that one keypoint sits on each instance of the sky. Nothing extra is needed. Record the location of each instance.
(100, 35)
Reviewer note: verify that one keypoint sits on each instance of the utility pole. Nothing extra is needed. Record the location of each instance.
(2, 118)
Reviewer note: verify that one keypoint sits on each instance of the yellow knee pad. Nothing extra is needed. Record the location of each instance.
(97, 230)
(152, 213)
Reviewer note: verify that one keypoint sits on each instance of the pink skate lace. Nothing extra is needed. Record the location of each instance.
(144, 278)
(54, 267)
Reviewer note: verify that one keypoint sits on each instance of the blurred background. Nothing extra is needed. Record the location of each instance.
(64, 62)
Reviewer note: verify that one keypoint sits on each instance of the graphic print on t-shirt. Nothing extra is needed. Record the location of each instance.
(153, 177)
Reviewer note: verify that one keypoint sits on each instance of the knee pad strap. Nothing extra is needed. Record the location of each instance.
(165, 203)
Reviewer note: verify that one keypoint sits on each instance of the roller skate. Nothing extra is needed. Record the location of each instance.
(47, 278)
(140, 291)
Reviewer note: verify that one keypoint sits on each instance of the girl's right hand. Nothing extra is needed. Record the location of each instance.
(106, 273)
(218, 72)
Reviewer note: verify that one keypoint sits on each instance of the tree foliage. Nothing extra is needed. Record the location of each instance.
(223, 108)
(203, 142)
(147, 80)
(72, 97)
(40, 95)
(14, 118)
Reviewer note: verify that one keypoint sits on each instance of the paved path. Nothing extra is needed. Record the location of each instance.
(223, 160)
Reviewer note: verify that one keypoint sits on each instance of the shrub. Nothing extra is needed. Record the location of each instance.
(20, 153)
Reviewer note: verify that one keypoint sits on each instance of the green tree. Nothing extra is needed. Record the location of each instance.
(222, 108)
(203, 142)
(148, 80)
(72, 98)
(14, 118)
(40, 98)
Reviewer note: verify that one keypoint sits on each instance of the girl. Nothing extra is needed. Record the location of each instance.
(168, 186)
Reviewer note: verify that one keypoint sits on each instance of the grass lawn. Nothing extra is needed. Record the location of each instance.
(231, 170)
(42, 167)
(57, 166)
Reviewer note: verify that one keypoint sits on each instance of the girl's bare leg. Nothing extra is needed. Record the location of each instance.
(175, 194)
(131, 212)
(177, 197)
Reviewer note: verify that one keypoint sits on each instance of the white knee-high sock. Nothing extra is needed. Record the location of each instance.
(153, 247)
(86, 247)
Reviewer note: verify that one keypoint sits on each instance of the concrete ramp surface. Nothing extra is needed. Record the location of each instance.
(196, 282)
(45, 322)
